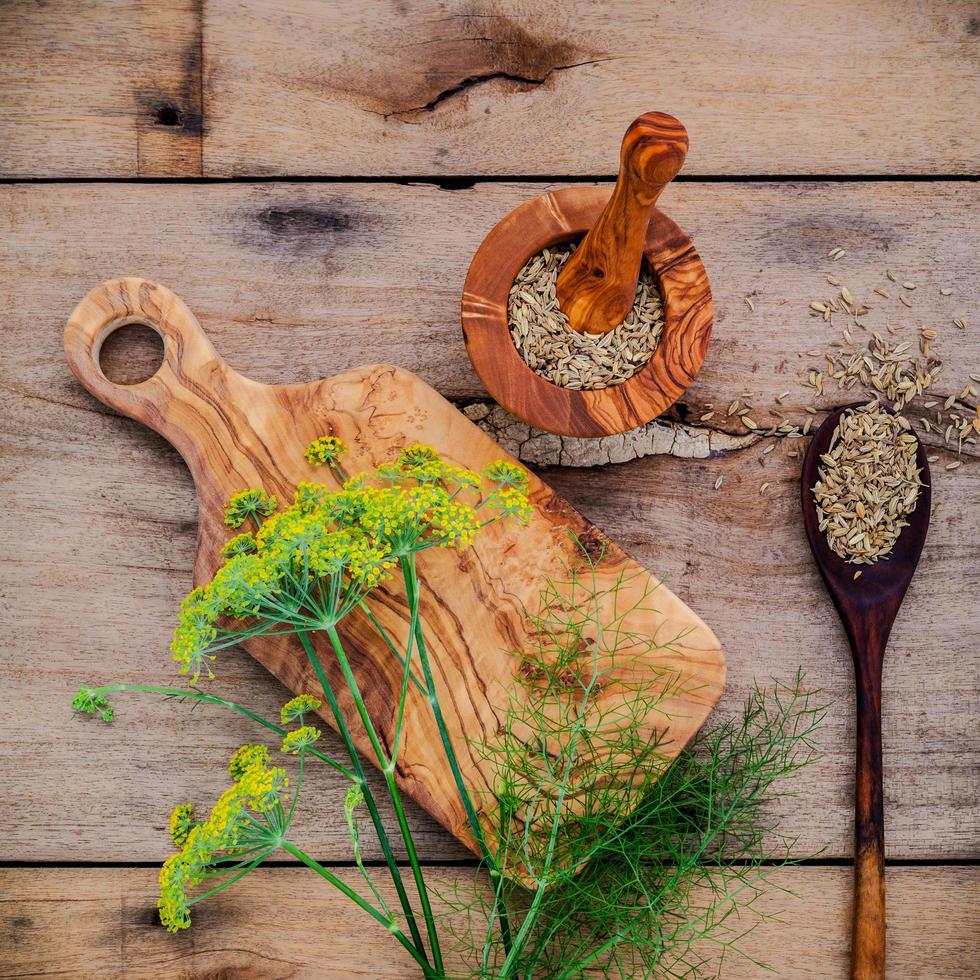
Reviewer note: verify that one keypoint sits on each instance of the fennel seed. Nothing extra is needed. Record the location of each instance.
(565, 357)
(868, 483)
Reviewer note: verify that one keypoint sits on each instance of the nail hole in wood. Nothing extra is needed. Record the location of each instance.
(168, 115)
(131, 354)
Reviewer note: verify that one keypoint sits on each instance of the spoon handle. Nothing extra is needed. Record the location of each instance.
(868, 933)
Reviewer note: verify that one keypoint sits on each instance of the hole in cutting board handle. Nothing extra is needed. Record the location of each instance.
(131, 354)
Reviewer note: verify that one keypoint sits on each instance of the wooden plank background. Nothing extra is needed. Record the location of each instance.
(269, 277)
(931, 918)
(462, 88)
(296, 278)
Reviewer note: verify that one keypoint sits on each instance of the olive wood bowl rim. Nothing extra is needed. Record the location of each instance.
(561, 216)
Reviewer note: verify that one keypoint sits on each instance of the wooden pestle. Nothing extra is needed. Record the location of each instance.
(597, 285)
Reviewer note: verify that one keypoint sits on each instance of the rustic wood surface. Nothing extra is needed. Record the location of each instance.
(47, 916)
(105, 540)
(885, 87)
(101, 89)
(358, 274)
(294, 281)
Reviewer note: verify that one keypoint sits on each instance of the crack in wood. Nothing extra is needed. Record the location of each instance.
(657, 438)
(473, 81)
(661, 437)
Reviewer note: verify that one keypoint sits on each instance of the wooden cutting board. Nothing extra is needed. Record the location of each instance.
(235, 433)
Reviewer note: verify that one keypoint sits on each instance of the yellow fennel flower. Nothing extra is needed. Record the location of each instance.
(302, 704)
(513, 503)
(420, 462)
(463, 478)
(506, 474)
(244, 585)
(247, 757)
(308, 496)
(249, 503)
(458, 522)
(177, 876)
(299, 739)
(326, 449)
(181, 823)
(194, 634)
(240, 544)
(229, 830)
(309, 565)
(261, 788)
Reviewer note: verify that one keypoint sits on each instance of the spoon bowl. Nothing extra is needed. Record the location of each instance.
(881, 587)
(867, 606)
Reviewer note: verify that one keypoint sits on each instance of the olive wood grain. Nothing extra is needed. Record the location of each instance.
(235, 433)
(597, 285)
(867, 606)
(562, 216)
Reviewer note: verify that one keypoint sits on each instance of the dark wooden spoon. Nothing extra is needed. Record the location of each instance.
(867, 606)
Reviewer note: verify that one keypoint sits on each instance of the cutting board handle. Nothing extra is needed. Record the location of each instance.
(187, 352)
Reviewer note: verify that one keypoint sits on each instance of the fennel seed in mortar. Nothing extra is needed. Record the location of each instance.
(867, 483)
(563, 356)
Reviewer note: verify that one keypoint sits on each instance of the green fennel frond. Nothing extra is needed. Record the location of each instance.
(625, 863)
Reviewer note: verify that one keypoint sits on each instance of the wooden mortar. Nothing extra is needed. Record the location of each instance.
(621, 229)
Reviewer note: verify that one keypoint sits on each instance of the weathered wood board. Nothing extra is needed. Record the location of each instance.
(271, 925)
(101, 89)
(295, 282)
(99, 545)
(235, 433)
(301, 281)
(433, 88)
(547, 88)
(255, 92)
